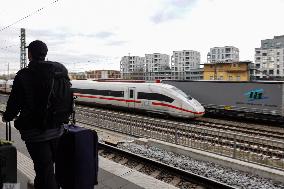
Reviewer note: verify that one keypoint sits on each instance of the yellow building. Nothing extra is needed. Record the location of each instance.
(235, 71)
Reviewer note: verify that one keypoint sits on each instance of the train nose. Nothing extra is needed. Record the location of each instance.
(198, 108)
(199, 111)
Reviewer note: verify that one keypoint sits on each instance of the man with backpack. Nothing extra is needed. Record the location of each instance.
(42, 94)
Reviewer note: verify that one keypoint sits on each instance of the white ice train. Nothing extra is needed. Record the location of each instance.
(150, 97)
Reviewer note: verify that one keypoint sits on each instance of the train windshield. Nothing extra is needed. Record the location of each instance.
(181, 92)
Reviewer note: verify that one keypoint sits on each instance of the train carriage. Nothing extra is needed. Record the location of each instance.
(150, 97)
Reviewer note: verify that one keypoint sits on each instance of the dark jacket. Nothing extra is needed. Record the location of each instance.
(29, 95)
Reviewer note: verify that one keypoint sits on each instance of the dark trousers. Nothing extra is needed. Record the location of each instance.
(43, 155)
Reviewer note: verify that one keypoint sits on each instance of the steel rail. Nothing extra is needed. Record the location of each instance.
(200, 180)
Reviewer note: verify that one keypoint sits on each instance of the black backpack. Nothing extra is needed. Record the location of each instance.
(54, 105)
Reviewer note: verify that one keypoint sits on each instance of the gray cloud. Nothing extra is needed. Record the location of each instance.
(10, 50)
(116, 43)
(87, 62)
(59, 37)
(104, 34)
(172, 9)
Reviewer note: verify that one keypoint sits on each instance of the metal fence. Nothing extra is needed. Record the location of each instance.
(238, 146)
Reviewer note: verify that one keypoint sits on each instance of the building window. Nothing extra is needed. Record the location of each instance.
(211, 77)
(238, 78)
(230, 78)
(278, 72)
(264, 72)
(271, 72)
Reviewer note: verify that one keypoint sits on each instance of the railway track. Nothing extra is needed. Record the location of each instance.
(227, 141)
(270, 132)
(227, 144)
(161, 171)
(239, 128)
(239, 146)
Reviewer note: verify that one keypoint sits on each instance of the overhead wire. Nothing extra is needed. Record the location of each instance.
(29, 15)
(7, 47)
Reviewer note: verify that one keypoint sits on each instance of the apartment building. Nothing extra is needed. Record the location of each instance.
(223, 54)
(103, 74)
(157, 66)
(182, 62)
(132, 67)
(269, 59)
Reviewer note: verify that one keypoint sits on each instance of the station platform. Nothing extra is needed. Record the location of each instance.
(111, 174)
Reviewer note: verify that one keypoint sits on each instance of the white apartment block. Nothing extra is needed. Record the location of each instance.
(223, 54)
(132, 67)
(157, 66)
(269, 63)
(269, 59)
(184, 61)
(157, 62)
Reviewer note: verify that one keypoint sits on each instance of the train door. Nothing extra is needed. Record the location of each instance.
(131, 98)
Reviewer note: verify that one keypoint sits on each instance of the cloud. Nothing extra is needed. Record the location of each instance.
(104, 34)
(116, 43)
(172, 9)
(79, 63)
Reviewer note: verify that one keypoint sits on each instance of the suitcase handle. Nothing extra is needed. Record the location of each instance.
(8, 131)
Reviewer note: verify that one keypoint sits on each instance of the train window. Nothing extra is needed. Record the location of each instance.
(100, 92)
(181, 92)
(131, 93)
(155, 96)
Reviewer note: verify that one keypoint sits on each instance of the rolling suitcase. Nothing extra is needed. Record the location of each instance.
(76, 164)
(8, 159)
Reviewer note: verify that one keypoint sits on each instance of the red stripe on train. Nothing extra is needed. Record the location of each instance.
(171, 106)
(105, 98)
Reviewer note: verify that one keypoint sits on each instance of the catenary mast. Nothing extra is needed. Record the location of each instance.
(23, 59)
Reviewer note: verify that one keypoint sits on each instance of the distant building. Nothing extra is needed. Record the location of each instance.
(223, 54)
(233, 71)
(194, 74)
(132, 67)
(103, 74)
(77, 75)
(182, 62)
(269, 59)
(157, 65)
(151, 76)
(275, 43)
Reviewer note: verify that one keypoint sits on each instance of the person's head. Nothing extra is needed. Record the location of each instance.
(37, 50)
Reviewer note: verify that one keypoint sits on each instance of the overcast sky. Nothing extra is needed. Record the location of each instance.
(95, 34)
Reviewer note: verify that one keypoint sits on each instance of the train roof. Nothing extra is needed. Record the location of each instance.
(131, 84)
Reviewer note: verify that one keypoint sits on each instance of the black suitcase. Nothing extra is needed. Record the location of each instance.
(8, 159)
(76, 164)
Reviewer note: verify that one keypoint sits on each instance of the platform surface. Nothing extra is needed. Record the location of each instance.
(111, 174)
